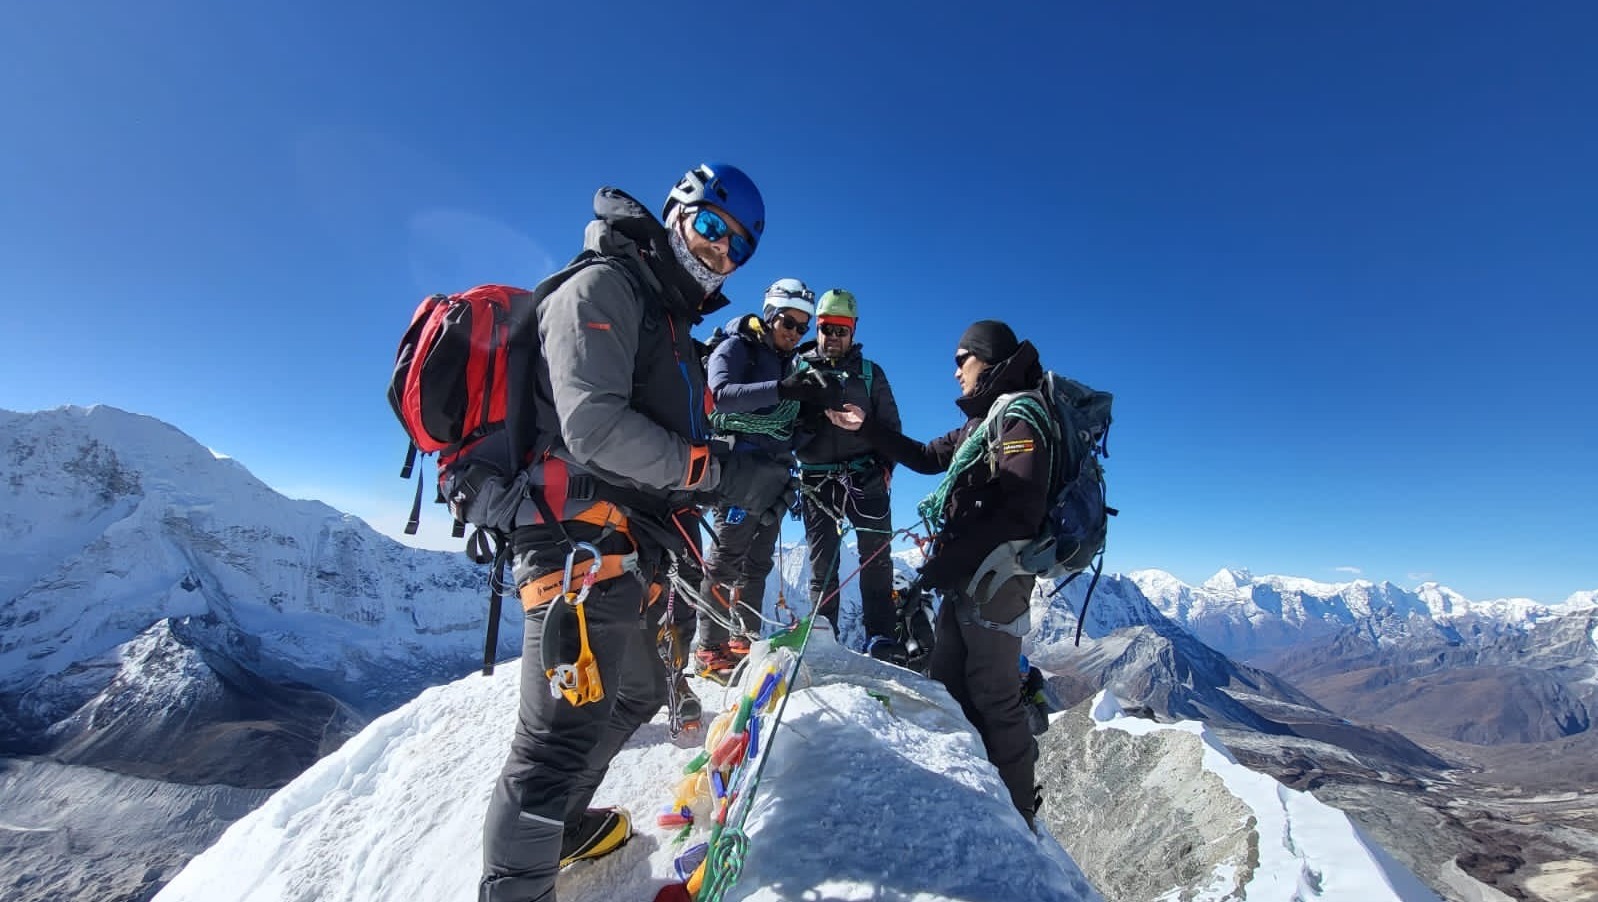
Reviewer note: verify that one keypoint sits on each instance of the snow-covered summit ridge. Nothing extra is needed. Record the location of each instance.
(874, 784)
(876, 787)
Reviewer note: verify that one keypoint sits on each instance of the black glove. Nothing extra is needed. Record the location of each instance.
(808, 386)
(931, 575)
(750, 481)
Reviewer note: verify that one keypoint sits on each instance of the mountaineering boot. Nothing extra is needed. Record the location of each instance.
(915, 627)
(598, 833)
(714, 663)
(689, 710)
(1024, 791)
(888, 649)
(738, 646)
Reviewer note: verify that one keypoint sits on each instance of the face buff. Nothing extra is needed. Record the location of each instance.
(708, 278)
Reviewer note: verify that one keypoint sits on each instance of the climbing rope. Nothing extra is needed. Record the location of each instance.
(779, 423)
(974, 446)
(729, 843)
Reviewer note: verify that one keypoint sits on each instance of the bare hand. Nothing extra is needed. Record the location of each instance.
(850, 418)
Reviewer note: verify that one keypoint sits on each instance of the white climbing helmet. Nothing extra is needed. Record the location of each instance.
(788, 294)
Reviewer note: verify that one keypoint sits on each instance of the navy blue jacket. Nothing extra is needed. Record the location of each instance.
(743, 374)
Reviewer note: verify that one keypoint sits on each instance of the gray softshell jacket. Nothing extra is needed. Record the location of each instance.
(621, 390)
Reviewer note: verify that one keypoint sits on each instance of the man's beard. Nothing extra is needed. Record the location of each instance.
(707, 278)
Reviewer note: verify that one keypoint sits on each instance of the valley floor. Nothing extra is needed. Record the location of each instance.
(1509, 822)
(65, 830)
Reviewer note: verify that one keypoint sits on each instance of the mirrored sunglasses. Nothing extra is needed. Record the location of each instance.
(713, 227)
(835, 331)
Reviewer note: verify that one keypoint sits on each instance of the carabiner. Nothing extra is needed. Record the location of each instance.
(589, 578)
(579, 682)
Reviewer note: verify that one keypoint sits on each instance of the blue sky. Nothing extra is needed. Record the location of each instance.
(1335, 260)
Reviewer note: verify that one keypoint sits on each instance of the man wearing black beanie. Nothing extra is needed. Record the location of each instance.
(989, 339)
(997, 498)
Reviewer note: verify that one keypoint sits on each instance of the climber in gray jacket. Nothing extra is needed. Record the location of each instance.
(622, 447)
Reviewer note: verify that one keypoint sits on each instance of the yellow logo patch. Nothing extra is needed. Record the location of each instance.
(1017, 446)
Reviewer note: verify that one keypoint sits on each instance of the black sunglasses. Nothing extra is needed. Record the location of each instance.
(832, 331)
(791, 324)
(961, 357)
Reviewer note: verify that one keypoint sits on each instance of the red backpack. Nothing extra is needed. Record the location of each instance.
(462, 388)
(449, 386)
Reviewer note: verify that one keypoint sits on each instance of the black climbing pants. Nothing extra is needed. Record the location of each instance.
(862, 499)
(560, 753)
(979, 667)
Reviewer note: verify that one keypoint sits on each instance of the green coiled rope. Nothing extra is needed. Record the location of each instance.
(975, 446)
(779, 423)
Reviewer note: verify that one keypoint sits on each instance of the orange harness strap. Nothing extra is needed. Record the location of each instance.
(541, 591)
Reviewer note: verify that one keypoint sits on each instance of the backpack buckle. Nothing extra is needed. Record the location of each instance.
(581, 487)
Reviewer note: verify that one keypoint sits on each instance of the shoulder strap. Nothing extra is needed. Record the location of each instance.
(982, 441)
(866, 369)
(536, 439)
(1027, 406)
(581, 262)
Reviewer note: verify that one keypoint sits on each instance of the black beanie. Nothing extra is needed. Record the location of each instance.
(990, 340)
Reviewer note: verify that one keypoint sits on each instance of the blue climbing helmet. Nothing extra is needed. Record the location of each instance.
(725, 186)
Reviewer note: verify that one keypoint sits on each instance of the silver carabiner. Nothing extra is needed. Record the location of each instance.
(588, 579)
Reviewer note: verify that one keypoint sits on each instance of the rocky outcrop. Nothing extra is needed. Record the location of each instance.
(1098, 792)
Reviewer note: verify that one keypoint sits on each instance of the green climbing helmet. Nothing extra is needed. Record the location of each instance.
(837, 304)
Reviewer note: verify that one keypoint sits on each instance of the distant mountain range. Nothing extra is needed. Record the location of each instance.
(1248, 617)
(1428, 660)
(166, 616)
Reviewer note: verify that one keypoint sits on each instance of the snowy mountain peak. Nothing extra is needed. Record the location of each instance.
(1229, 579)
(112, 521)
(1441, 600)
(1154, 577)
(106, 446)
(1582, 600)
